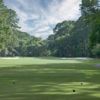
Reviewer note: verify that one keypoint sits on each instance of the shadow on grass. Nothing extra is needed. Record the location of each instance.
(50, 82)
(30, 96)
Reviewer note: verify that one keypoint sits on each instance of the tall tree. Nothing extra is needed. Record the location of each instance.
(91, 13)
(8, 24)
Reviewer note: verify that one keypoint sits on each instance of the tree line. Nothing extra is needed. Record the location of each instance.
(79, 38)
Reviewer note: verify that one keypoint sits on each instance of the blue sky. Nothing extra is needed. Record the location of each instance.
(39, 17)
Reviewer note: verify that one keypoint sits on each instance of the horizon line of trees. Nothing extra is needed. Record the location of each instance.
(79, 38)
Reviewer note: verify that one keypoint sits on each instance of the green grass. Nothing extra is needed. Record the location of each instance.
(49, 79)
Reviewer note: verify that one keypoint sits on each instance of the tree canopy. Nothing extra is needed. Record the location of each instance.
(79, 38)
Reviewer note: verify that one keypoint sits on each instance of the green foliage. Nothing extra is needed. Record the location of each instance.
(8, 24)
(70, 39)
(77, 38)
(88, 6)
(91, 16)
(96, 50)
(14, 42)
(59, 42)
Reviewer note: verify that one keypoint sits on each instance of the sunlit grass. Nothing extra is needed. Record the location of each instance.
(11, 62)
(49, 79)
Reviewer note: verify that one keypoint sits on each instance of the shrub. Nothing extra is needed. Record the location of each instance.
(96, 50)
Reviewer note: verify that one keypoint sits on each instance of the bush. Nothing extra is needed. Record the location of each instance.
(96, 50)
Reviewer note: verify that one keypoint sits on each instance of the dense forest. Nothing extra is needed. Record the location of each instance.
(79, 38)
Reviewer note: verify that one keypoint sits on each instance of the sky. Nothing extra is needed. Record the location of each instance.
(39, 17)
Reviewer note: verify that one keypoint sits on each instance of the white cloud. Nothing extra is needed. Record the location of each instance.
(42, 19)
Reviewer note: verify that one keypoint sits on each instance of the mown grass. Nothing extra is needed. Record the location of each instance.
(49, 79)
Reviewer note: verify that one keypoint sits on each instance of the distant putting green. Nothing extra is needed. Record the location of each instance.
(49, 79)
